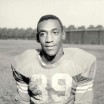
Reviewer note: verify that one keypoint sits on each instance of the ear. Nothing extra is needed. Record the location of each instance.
(37, 38)
(63, 34)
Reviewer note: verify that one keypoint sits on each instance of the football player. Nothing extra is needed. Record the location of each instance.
(53, 74)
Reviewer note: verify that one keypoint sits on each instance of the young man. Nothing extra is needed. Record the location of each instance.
(53, 75)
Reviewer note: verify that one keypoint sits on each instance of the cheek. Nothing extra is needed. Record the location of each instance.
(42, 41)
(58, 39)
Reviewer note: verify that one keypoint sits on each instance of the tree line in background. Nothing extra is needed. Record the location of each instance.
(16, 33)
(72, 27)
(29, 33)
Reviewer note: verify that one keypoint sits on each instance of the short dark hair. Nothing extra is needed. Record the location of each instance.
(47, 17)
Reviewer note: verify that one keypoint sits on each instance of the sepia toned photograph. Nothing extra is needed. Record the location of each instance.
(51, 52)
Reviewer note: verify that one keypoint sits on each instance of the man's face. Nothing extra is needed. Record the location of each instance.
(50, 36)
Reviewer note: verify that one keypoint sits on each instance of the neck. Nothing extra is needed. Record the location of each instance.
(52, 59)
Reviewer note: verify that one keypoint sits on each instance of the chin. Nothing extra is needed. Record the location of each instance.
(51, 53)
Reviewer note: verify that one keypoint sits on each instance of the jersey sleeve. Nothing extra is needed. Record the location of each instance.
(84, 79)
(22, 96)
(86, 63)
(89, 73)
(21, 73)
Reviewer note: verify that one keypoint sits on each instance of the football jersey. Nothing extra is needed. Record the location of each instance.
(68, 81)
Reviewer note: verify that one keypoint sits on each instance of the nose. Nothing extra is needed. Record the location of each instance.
(49, 38)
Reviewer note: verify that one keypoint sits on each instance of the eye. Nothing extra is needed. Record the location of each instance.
(55, 32)
(42, 34)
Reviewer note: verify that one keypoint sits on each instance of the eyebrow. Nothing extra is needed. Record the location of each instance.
(55, 29)
(46, 30)
(42, 31)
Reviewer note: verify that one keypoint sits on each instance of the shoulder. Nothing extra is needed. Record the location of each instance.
(24, 58)
(27, 54)
(80, 57)
(84, 56)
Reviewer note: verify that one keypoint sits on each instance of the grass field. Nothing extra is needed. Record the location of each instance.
(10, 48)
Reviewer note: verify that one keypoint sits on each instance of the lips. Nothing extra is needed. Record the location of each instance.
(50, 46)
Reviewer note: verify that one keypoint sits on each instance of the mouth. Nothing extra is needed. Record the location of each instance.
(50, 46)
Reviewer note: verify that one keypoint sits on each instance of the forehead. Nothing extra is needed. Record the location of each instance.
(49, 24)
